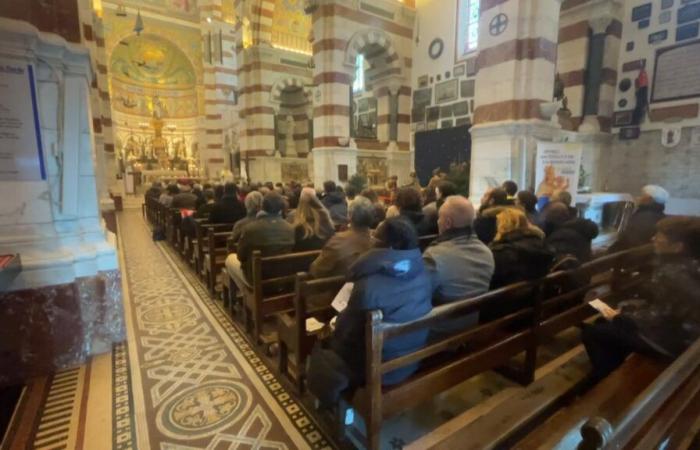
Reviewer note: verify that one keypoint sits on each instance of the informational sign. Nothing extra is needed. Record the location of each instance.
(677, 73)
(557, 167)
(21, 157)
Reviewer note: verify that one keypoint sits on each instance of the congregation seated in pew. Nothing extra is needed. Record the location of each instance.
(253, 205)
(227, 209)
(312, 223)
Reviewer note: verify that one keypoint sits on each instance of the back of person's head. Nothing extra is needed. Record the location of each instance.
(652, 193)
(313, 217)
(370, 195)
(273, 203)
(218, 191)
(329, 186)
(172, 189)
(206, 186)
(509, 220)
(253, 202)
(678, 234)
(456, 212)
(270, 185)
(556, 214)
(157, 185)
(350, 191)
(361, 212)
(397, 233)
(230, 189)
(527, 200)
(563, 197)
(307, 192)
(499, 197)
(511, 187)
(446, 188)
(208, 195)
(409, 199)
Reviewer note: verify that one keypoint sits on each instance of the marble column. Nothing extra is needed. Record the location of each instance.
(518, 44)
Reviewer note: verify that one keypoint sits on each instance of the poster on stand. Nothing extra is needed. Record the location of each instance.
(21, 157)
(557, 168)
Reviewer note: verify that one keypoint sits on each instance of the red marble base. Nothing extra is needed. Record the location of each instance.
(55, 327)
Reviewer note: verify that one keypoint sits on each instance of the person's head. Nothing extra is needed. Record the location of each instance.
(361, 212)
(172, 189)
(563, 197)
(370, 195)
(509, 220)
(527, 200)
(555, 215)
(230, 190)
(494, 197)
(396, 233)
(444, 189)
(307, 192)
(653, 194)
(157, 185)
(312, 217)
(273, 204)
(253, 203)
(329, 186)
(409, 199)
(350, 191)
(678, 236)
(208, 195)
(511, 187)
(456, 212)
(270, 185)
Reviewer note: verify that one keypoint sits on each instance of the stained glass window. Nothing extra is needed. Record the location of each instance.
(467, 27)
(359, 84)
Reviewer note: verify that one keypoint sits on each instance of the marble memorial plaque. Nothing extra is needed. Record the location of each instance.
(642, 24)
(659, 36)
(422, 97)
(686, 32)
(688, 13)
(677, 72)
(467, 88)
(665, 4)
(641, 12)
(665, 17)
(446, 123)
(446, 111)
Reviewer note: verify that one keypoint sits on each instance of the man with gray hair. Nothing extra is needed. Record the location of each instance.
(253, 205)
(460, 264)
(345, 247)
(642, 225)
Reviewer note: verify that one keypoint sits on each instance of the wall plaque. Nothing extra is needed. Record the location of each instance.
(634, 65)
(677, 72)
(659, 36)
(21, 157)
(665, 4)
(665, 17)
(687, 32)
(641, 12)
(689, 13)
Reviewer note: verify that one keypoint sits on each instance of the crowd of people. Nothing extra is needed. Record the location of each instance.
(372, 238)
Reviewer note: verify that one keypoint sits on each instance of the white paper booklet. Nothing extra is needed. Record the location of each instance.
(340, 302)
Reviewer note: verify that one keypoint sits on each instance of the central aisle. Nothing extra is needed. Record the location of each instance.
(195, 381)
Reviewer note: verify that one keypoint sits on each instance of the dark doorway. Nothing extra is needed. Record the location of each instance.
(440, 148)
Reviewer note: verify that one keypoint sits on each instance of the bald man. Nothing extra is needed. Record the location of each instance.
(460, 264)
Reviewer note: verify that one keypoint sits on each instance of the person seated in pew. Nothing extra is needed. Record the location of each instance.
(492, 203)
(665, 320)
(409, 204)
(343, 249)
(228, 209)
(334, 200)
(253, 205)
(642, 224)
(460, 264)
(527, 201)
(269, 233)
(379, 209)
(511, 188)
(155, 190)
(443, 189)
(166, 198)
(205, 209)
(390, 278)
(312, 224)
(184, 199)
(569, 235)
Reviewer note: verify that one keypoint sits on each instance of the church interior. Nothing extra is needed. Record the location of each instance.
(351, 224)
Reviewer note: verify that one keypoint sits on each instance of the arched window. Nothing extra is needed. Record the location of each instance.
(467, 27)
(359, 84)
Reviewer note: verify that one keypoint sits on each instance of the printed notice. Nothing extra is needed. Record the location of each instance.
(20, 139)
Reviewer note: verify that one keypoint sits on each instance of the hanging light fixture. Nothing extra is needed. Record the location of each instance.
(138, 25)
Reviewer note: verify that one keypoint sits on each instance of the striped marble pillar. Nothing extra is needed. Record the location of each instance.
(220, 84)
(516, 63)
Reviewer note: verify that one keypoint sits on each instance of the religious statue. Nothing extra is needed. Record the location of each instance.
(158, 108)
(160, 145)
(289, 144)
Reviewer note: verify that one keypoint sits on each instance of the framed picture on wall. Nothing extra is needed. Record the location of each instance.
(422, 97)
(467, 28)
(418, 114)
(459, 70)
(423, 81)
(433, 113)
(447, 91)
(446, 123)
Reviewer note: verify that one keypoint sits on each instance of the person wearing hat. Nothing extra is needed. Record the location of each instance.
(642, 225)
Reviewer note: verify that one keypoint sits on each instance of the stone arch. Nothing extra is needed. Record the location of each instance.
(286, 83)
(362, 40)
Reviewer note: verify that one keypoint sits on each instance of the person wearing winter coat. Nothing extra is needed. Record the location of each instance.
(664, 320)
(642, 225)
(410, 205)
(569, 236)
(228, 209)
(392, 279)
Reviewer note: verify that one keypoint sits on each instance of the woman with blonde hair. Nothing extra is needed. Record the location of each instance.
(312, 223)
(519, 250)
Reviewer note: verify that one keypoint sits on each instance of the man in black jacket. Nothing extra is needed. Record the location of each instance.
(642, 224)
(228, 209)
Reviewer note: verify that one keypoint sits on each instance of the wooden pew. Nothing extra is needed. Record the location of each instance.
(201, 237)
(271, 289)
(484, 347)
(214, 249)
(291, 327)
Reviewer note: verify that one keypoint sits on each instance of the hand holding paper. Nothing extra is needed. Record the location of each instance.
(604, 309)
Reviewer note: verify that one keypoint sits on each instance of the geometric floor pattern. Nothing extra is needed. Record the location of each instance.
(193, 380)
